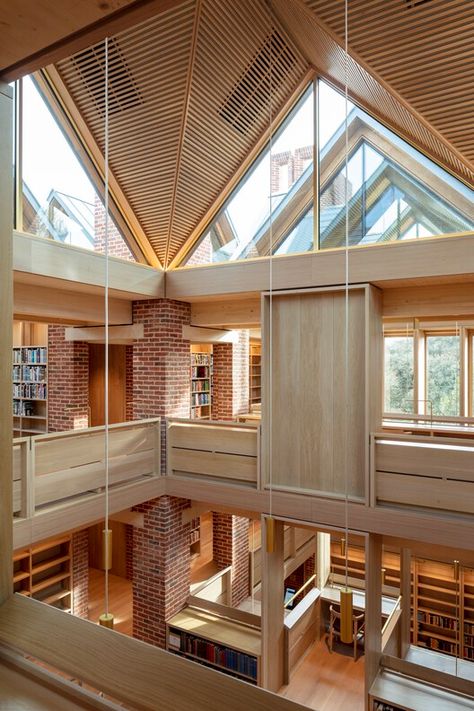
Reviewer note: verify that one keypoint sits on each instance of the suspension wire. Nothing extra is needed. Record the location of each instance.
(106, 295)
(346, 324)
(270, 330)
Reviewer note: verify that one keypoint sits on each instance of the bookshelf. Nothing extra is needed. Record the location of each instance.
(30, 378)
(356, 567)
(383, 706)
(44, 572)
(437, 607)
(255, 374)
(222, 644)
(201, 382)
(195, 537)
(467, 637)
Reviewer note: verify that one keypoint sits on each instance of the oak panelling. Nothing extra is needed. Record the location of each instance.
(425, 472)
(6, 222)
(436, 259)
(310, 398)
(226, 451)
(302, 626)
(453, 300)
(242, 313)
(154, 678)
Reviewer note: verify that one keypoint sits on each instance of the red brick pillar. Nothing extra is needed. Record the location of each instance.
(230, 544)
(128, 551)
(161, 567)
(80, 573)
(68, 382)
(161, 362)
(230, 391)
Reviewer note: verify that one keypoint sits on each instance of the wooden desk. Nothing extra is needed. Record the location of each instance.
(332, 595)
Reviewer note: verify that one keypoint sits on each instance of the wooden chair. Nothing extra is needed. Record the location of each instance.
(358, 628)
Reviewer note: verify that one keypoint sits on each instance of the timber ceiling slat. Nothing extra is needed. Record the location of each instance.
(425, 53)
(174, 142)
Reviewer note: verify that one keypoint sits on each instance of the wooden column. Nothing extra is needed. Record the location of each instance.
(405, 591)
(6, 331)
(373, 609)
(323, 558)
(272, 610)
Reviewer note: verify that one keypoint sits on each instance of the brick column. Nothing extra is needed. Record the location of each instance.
(161, 567)
(230, 545)
(128, 551)
(80, 573)
(230, 394)
(68, 382)
(129, 383)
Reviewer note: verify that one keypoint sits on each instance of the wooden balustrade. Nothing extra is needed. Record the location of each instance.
(56, 470)
(214, 451)
(429, 472)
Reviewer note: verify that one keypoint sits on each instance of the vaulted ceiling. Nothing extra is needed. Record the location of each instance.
(193, 89)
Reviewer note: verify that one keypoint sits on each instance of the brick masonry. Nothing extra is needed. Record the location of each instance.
(80, 573)
(299, 576)
(128, 551)
(230, 394)
(161, 363)
(161, 567)
(117, 247)
(230, 545)
(68, 382)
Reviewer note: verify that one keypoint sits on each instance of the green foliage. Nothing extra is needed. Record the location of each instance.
(442, 365)
(399, 374)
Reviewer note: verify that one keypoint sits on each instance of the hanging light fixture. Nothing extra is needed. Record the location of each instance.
(346, 602)
(106, 619)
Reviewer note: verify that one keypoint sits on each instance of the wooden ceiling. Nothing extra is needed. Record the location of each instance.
(424, 50)
(190, 100)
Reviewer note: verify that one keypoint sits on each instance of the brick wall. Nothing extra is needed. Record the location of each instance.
(68, 382)
(80, 573)
(128, 551)
(202, 254)
(117, 246)
(129, 383)
(230, 545)
(299, 576)
(161, 567)
(230, 394)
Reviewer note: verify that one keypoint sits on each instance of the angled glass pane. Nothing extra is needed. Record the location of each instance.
(398, 374)
(442, 375)
(394, 191)
(280, 182)
(59, 200)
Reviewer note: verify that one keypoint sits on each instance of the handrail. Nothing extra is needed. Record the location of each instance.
(298, 592)
(391, 622)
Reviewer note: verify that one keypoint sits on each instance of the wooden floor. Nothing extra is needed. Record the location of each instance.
(327, 682)
(120, 599)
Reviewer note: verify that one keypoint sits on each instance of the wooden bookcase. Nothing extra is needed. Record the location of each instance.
(255, 375)
(356, 567)
(44, 572)
(201, 382)
(195, 537)
(30, 378)
(223, 644)
(467, 637)
(378, 705)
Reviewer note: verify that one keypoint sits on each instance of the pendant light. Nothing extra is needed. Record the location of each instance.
(106, 619)
(346, 601)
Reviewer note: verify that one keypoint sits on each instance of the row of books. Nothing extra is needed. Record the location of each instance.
(438, 620)
(222, 656)
(30, 355)
(200, 399)
(440, 645)
(201, 358)
(200, 386)
(469, 627)
(31, 373)
(24, 409)
(35, 391)
(200, 371)
(468, 653)
(382, 706)
(469, 640)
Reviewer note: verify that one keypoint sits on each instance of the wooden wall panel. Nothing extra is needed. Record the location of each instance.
(306, 394)
(6, 222)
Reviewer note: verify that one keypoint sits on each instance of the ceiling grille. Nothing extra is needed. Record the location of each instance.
(123, 90)
(272, 64)
(413, 3)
